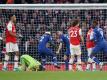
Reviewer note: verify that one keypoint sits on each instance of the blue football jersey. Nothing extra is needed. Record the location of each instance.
(65, 39)
(98, 35)
(44, 40)
(101, 43)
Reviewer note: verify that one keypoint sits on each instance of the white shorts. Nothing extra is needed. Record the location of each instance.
(89, 51)
(11, 47)
(75, 49)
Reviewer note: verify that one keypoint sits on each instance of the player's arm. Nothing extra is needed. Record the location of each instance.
(31, 68)
(9, 27)
(59, 48)
(28, 69)
(81, 36)
(1, 38)
(12, 34)
(93, 36)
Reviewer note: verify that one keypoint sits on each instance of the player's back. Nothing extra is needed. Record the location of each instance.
(44, 40)
(74, 35)
(29, 59)
(65, 39)
(98, 35)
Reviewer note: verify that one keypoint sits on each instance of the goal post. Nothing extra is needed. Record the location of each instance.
(34, 19)
(54, 6)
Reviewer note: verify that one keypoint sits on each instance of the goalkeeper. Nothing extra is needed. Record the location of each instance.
(27, 63)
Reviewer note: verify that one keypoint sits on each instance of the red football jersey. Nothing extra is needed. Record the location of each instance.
(74, 35)
(89, 43)
(10, 27)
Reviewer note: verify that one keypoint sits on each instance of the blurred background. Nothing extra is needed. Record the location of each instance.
(33, 23)
(49, 1)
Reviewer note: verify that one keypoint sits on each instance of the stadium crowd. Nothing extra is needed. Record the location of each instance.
(49, 1)
(32, 23)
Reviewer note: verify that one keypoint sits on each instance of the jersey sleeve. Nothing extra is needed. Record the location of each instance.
(9, 26)
(92, 35)
(61, 39)
(80, 32)
(50, 38)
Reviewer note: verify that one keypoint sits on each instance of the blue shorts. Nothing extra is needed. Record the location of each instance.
(101, 46)
(67, 52)
(43, 52)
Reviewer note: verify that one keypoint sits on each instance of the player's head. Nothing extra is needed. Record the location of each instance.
(59, 33)
(48, 32)
(94, 23)
(75, 23)
(38, 68)
(41, 68)
(12, 17)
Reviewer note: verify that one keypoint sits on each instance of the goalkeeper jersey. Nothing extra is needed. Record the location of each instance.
(31, 62)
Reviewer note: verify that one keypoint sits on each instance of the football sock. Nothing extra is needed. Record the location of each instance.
(16, 58)
(6, 61)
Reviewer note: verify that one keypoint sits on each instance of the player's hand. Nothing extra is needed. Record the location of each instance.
(1, 38)
(20, 36)
(28, 69)
(57, 52)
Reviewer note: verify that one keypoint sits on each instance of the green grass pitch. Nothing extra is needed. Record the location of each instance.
(61, 75)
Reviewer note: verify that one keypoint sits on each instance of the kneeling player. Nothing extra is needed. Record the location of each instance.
(28, 63)
(45, 51)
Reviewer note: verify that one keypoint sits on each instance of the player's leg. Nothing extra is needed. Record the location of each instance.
(71, 62)
(22, 66)
(49, 52)
(105, 48)
(78, 53)
(95, 50)
(79, 65)
(72, 53)
(105, 51)
(6, 59)
(16, 57)
(93, 62)
(90, 61)
(30, 67)
(93, 66)
(43, 56)
(66, 60)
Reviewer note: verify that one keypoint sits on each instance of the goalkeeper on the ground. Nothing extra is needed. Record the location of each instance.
(28, 63)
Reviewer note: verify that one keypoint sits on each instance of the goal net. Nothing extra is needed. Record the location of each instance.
(34, 19)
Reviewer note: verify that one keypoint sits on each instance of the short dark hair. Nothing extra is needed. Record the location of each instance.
(75, 22)
(95, 22)
(10, 15)
(41, 68)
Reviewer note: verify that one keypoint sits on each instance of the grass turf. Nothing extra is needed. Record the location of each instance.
(53, 75)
